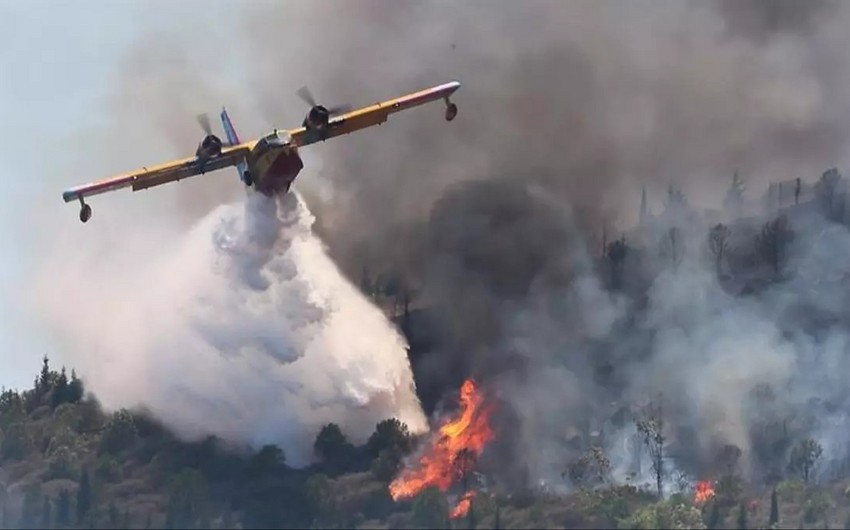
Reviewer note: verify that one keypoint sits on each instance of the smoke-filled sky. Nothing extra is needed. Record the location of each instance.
(567, 109)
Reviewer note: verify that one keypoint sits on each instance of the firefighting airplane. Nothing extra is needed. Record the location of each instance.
(271, 163)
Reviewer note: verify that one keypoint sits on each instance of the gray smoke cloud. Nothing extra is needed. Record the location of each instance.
(567, 110)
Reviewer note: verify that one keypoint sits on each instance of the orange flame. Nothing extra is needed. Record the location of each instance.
(704, 492)
(446, 459)
(463, 505)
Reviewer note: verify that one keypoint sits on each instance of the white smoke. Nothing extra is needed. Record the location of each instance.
(245, 329)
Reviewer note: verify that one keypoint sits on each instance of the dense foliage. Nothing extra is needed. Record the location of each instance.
(66, 463)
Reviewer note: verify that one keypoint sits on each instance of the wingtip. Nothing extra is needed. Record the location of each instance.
(69, 195)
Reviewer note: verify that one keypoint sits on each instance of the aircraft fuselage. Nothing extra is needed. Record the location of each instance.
(274, 164)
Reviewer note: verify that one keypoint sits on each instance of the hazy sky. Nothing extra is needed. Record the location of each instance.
(59, 61)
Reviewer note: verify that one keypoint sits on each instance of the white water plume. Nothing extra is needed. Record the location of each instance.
(246, 330)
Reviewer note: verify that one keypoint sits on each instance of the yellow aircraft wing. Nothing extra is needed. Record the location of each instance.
(374, 115)
(233, 155)
(161, 174)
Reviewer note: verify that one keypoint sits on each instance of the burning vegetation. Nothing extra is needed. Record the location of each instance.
(704, 492)
(450, 456)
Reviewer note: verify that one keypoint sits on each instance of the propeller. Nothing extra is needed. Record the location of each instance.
(307, 96)
(204, 122)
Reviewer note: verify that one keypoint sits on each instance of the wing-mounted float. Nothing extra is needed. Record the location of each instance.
(269, 163)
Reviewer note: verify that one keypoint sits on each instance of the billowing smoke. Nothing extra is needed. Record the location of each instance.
(242, 327)
(497, 219)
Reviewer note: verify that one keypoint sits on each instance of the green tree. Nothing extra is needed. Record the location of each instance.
(334, 448)
(75, 389)
(44, 379)
(322, 501)
(804, 458)
(187, 499)
(268, 458)
(329, 441)
(60, 390)
(120, 432)
(497, 521)
(774, 508)
(389, 434)
(16, 442)
(11, 408)
(431, 509)
(84, 496)
(388, 463)
(91, 416)
(63, 508)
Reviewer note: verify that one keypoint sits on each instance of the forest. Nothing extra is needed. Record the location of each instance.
(65, 462)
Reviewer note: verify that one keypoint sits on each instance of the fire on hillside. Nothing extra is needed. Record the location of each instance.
(450, 455)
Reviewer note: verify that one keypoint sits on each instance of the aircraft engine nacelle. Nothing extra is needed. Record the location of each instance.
(317, 118)
(209, 147)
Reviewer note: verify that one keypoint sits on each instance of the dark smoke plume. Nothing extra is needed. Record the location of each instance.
(497, 219)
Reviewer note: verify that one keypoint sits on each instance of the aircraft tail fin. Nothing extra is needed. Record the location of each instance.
(233, 139)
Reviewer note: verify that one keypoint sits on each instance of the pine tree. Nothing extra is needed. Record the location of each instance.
(126, 523)
(470, 517)
(497, 522)
(44, 377)
(60, 392)
(84, 496)
(75, 388)
(148, 522)
(774, 508)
